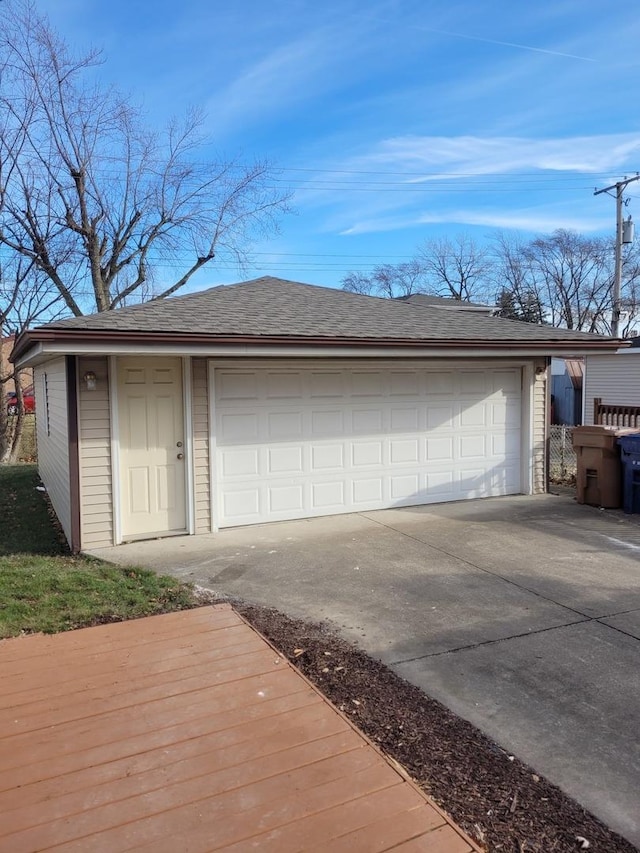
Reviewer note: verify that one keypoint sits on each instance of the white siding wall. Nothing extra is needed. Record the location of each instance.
(540, 420)
(96, 495)
(615, 378)
(201, 446)
(52, 430)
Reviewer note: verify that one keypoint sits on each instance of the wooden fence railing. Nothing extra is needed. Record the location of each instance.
(617, 416)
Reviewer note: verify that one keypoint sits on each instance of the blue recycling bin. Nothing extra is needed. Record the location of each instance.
(630, 458)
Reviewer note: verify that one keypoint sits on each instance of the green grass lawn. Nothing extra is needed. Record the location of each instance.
(44, 588)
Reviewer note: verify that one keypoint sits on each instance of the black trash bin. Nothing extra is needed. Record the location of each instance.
(630, 458)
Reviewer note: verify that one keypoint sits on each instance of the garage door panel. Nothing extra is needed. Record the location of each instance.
(474, 382)
(506, 382)
(325, 456)
(239, 462)
(367, 491)
(237, 385)
(286, 498)
(327, 423)
(327, 384)
(329, 495)
(405, 487)
(367, 383)
(240, 506)
(319, 442)
(440, 449)
(284, 460)
(405, 420)
(440, 484)
(404, 383)
(440, 382)
(241, 426)
(473, 415)
(366, 422)
(366, 453)
(404, 451)
(283, 385)
(439, 416)
(284, 425)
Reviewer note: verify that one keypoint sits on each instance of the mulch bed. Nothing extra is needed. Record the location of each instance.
(499, 801)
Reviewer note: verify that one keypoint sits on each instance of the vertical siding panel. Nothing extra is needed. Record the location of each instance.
(614, 377)
(94, 439)
(52, 431)
(540, 411)
(201, 445)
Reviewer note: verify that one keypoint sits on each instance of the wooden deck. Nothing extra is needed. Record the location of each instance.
(188, 732)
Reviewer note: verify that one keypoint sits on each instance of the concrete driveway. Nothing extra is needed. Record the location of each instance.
(520, 614)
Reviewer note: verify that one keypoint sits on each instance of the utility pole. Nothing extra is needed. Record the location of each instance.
(619, 188)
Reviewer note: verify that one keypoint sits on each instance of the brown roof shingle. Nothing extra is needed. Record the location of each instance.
(270, 307)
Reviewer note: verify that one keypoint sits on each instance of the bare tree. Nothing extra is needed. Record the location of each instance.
(573, 277)
(388, 280)
(95, 201)
(458, 268)
(517, 295)
(24, 298)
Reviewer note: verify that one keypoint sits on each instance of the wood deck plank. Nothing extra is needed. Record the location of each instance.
(116, 725)
(207, 772)
(357, 819)
(47, 684)
(105, 639)
(163, 685)
(216, 823)
(224, 748)
(392, 824)
(187, 731)
(445, 839)
(201, 724)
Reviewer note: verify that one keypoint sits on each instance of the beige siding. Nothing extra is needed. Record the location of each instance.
(615, 378)
(96, 494)
(539, 425)
(52, 428)
(201, 482)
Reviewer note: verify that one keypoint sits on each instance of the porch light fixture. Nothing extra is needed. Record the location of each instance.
(90, 380)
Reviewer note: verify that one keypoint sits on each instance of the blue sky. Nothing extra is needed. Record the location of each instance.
(394, 122)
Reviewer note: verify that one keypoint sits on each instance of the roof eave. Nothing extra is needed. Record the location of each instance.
(42, 337)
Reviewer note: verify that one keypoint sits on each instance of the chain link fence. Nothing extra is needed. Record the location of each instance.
(562, 457)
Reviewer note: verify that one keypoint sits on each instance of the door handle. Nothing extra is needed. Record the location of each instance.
(180, 455)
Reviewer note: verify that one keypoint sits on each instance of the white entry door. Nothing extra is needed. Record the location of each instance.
(294, 443)
(151, 446)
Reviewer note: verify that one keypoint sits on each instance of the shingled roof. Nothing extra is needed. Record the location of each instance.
(270, 309)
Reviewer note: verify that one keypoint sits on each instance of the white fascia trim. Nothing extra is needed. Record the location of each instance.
(45, 350)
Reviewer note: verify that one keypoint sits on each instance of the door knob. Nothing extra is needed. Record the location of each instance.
(180, 455)
(178, 444)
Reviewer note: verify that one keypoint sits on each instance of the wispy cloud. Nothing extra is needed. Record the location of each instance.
(540, 221)
(460, 156)
(527, 47)
(280, 78)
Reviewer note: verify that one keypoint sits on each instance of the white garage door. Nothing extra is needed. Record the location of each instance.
(294, 443)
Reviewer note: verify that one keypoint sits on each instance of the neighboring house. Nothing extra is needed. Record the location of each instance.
(613, 378)
(270, 400)
(566, 391)
(26, 379)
